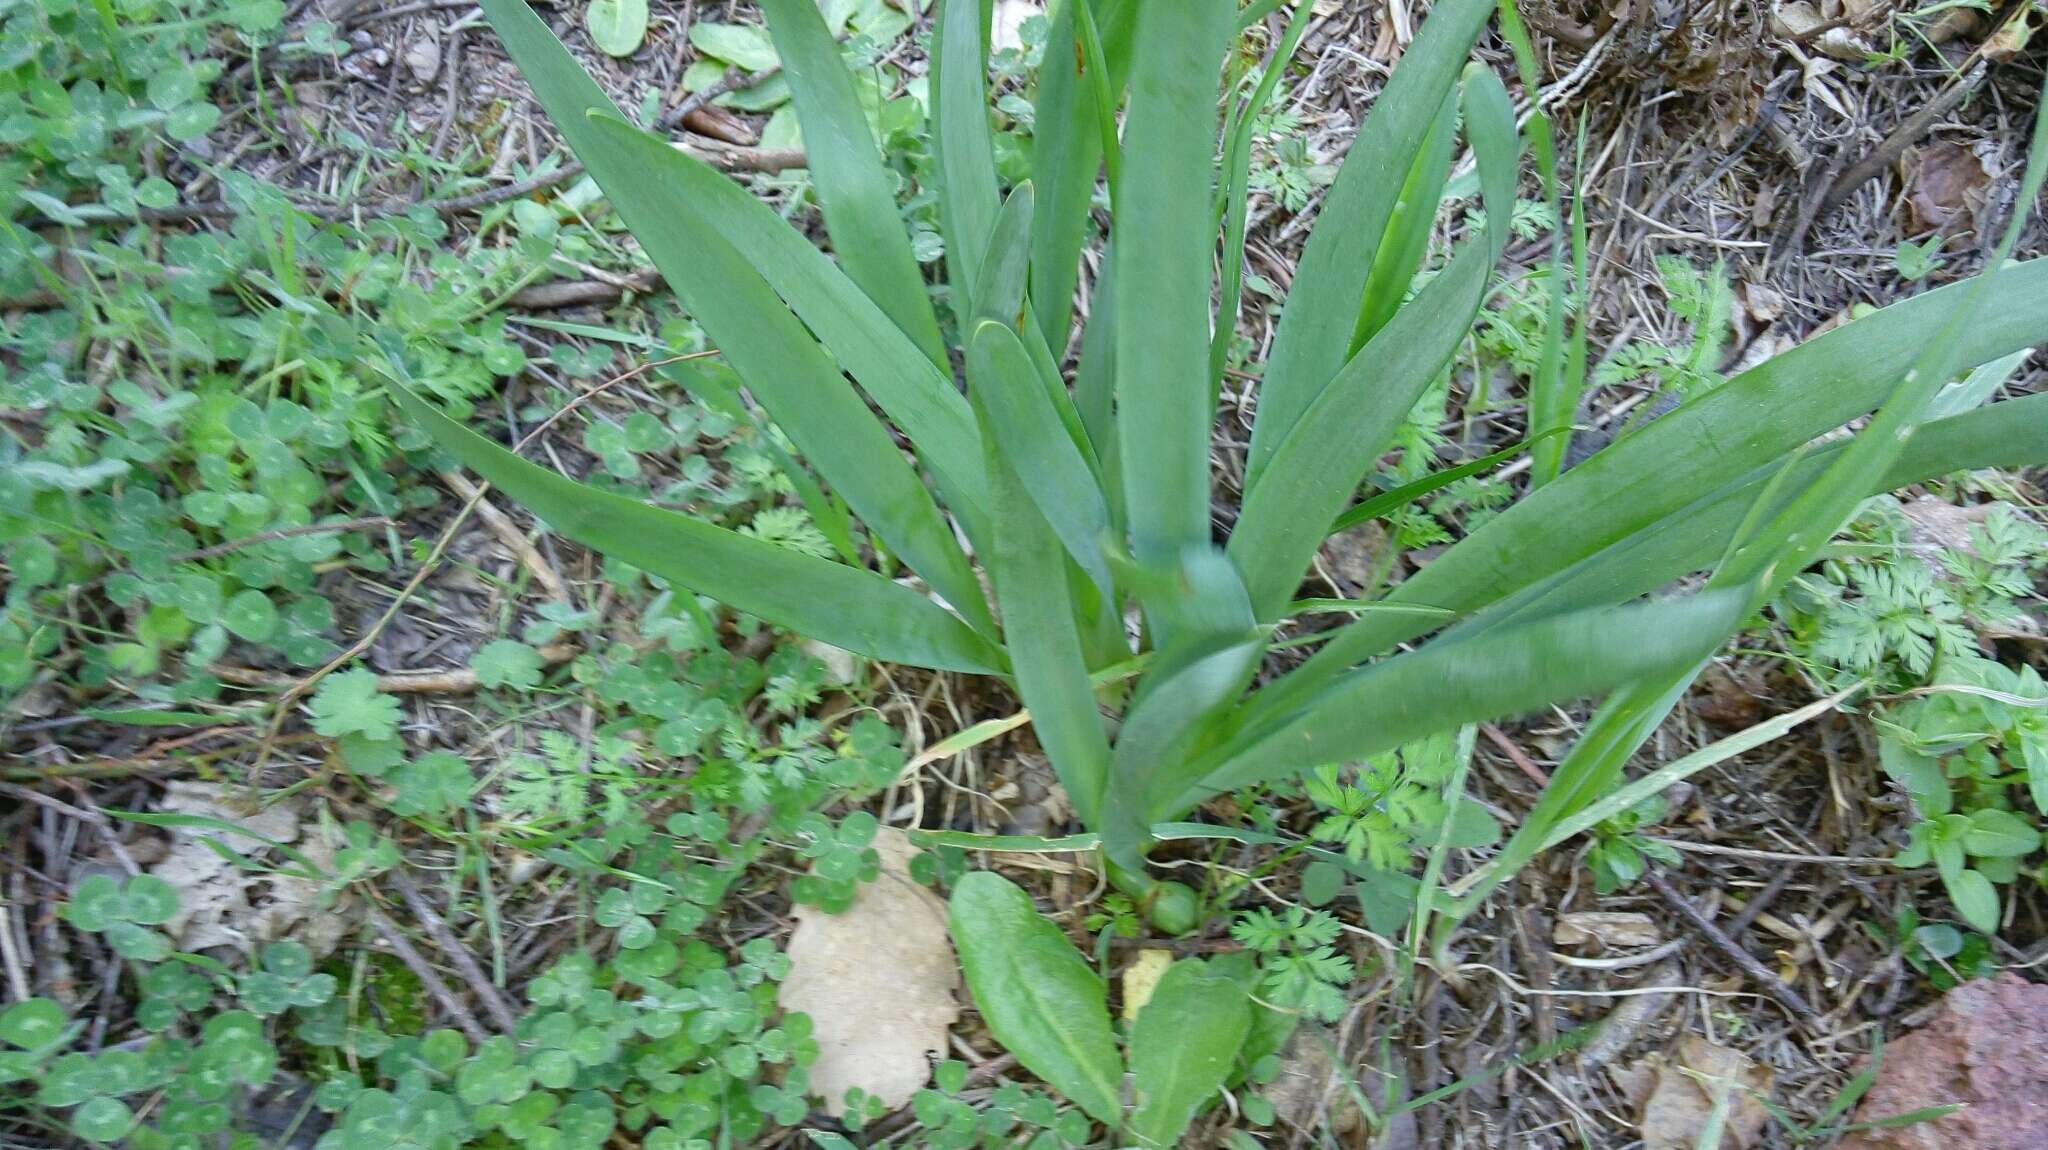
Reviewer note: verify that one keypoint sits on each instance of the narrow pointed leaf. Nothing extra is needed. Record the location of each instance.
(1029, 568)
(1039, 997)
(1184, 1043)
(1066, 154)
(1314, 471)
(960, 138)
(1006, 264)
(1657, 472)
(1391, 500)
(918, 396)
(1447, 684)
(1058, 480)
(844, 606)
(1163, 257)
(854, 190)
(1323, 304)
(1406, 241)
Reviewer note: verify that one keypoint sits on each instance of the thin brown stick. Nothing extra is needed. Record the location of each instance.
(1765, 978)
(428, 976)
(510, 535)
(487, 993)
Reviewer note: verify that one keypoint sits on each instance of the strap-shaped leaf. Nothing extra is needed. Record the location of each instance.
(1163, 258)
(781, 363)
(1406, 241)
(1029, 567)
(854, 190)
(919, 397)
(1066, 154)
(1313, 473)
(1323, 304)
(1039, 997)
(1655, 474)
(1184, 1044)
(1006, 265)
(1447, 684)
(844, 606)
(961, 141)
(1059, 481)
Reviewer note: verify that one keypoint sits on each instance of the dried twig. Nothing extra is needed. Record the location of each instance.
(1771, 984)
(493, 998)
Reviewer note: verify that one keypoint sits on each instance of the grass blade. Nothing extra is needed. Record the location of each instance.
(854, 190)
(1552, 409)
(1162, 276)
(1406, 240)
(1386, 502)
(1329, 284)
(1237, 166)
(844, 606)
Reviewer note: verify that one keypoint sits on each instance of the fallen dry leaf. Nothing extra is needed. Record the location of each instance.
(1684, 1090)
(1309, 1078)
(1141, 978)
(220, 904)
(1948, 183)
(878, 983)
(1606, 929)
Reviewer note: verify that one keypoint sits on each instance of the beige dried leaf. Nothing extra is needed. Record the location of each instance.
(1687, 1087)
(1606, 929)
(878, 983)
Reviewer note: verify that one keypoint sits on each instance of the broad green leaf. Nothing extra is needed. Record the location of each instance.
(961, 141)
(1184, 1043)
(617, 27)
(1066, 154)
(835, 604)
(1447, 684)
(781, 363)
(1655, 475)
(741, 45)
(1975, 898)
(32, 1023)
(2000, 834)
(1059, 480)
(1323, 304)
(1039, 997)
(1029, 568)
(1163, 258)
(855, 191)
(918, 396)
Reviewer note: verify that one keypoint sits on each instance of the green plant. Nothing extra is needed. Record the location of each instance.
(1937, 951)
(1083, 501)
(1619, 852)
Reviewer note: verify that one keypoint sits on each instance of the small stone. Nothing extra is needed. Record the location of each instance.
(423, 58)
(1987, 1048)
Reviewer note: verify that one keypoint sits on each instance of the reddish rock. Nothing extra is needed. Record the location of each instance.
(1987, 1047)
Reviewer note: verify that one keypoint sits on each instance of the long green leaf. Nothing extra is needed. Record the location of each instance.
(781, 363)
(1037, 994)
(1552, 409)
(1067, 152)
(1314, 471)
(1447, 684)
(854, 190)
(1323, 304)
(1163, 259)
(1051, 469)
(962, 143)
(1029, 568)
(785, 367)
(1656, 473)
(918, 396)
(844, 606)
(1237, 166)
(1184, 1043)
(1406, 241)
(1387, 502)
